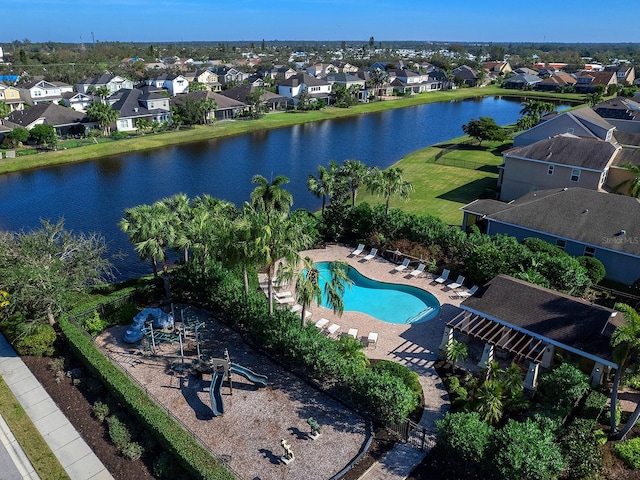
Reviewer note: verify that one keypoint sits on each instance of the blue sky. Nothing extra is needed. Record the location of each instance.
(348, 20)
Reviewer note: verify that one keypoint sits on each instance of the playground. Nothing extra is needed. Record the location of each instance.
(244, 422)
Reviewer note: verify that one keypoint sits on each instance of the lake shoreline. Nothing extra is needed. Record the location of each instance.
(270, 121)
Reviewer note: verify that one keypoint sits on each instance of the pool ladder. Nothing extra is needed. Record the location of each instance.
(418, 315)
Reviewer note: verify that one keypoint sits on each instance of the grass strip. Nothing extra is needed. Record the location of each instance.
(40, 455)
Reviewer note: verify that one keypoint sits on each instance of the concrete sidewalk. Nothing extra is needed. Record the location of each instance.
(69, 448)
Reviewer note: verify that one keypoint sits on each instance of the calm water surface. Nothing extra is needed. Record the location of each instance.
(92, 196)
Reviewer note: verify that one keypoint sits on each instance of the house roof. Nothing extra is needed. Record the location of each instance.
(342, 77)
(466, 72)
(240, 93)
(586, 216)
(561, 318)
(565, 149)
(628, 138)
(619, 108)
(128, 104)
(52, 113)
(98, 80)
(223, 102)
(559, 79)
(308, 80)
(584, 120)
(628, 155)
(523, 79)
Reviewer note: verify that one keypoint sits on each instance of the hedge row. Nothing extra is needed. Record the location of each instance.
(196, 459)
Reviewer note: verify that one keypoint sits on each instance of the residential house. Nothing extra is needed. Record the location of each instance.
(465, 75)
(621, 112)
(497, 68)
(271, 100)
(42, 91)
(626, 74)
(76, 100)
(557, 82)
(560, 161)
(533, 324)
(112, 82)
(230, 77)
(66, 121)
(581, 122)
(134, 104)
(205, 77)
(349, 81)
(410, 82)
(174, 84)
(303, 82)
(227, 108)
(525, 71)
(321, 69)
(279, 73)
(347, 68)
(582, 222)
(11, 96)
(588, 81)
(620, 178)
(522, 82)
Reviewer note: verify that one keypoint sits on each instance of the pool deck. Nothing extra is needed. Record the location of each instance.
(415, 346)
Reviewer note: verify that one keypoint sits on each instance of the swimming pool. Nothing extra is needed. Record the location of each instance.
(389, 302)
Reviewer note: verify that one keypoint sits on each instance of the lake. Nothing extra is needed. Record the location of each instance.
(92, 196)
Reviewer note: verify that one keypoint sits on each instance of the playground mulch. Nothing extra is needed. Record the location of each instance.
(248, 436)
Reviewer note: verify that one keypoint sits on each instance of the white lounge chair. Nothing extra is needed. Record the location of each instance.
(333, 329)
(372, 339)
(284, 300)
(322, 323)
(418, 271)
(403, 266)
(444, 277)
(297, 308)
(372, 254)
(457, 284)
(283, 294)
(353, 332)
(358, 250)
(467, 293)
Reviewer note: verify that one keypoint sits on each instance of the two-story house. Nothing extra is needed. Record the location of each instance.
(561, 161)
(582, 222)
(229, 76)
(134, 104)
(349, 81)
(11, 96)
(321, 69)
(174, 84)
(581, 122)
(303, 82)
(112, 82)
(206, 77)
(588, 81)
(42, 91)
(466, 75)
(626, 74)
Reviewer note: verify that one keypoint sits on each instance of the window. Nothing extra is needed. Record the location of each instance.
(575, 174)
(550, 169)
(589, 252)
(561, 243)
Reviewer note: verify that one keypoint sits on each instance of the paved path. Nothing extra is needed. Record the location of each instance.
(14, 464)
(71, 450)
(415, 346)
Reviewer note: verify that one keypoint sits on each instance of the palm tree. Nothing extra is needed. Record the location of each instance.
(536, 109)
(356, 174)
(632, 183)
(103, 92)
(351, 349)
(150, 230)
(270, 197)
(389, 183)
(625, 341)
(104, 114)
(322, 186)
(310, 282)
(207, 106)
(454, 352)
(276, 238)
(180, 209)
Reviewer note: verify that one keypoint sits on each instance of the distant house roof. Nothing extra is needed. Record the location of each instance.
(619, 108)
(308, 80)
(223, 102)
(523, 79)
(127, 103)
(610, 222)
(342, 77)
(564, 149)
(240, 93)
(563, 319)
(52, 113)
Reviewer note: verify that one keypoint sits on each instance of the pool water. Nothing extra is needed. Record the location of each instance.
(389, 302)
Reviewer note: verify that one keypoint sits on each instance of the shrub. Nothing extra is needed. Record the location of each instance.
(462, 442)
(629, 452)
(133, 451)
(100, 410)
(39, 343)
(408, 377)
(561, 388)
(579, 446)
(537, 245)
(94, 325)
(594, 268)
(165, 466)
(123, 315)
(118, 432)
(524, 451)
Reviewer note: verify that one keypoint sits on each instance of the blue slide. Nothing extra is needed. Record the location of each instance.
(260, 380)
(214, 393)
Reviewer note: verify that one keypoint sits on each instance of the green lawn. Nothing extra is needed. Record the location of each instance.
(441, 188)
(34, 446)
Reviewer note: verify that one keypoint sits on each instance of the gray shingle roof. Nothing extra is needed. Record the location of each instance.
(223, 102)
(562, 318)
(586, 216)
(569, 150)
(52, 113)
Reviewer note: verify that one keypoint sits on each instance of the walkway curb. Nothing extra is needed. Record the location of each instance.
(15, 452)
(65, 442)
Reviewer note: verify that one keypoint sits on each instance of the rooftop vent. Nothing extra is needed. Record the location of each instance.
(622, 232)
(586, 210)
